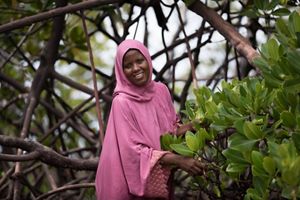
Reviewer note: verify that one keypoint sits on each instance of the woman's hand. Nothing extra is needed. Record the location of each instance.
(190, 165)
(183, 128)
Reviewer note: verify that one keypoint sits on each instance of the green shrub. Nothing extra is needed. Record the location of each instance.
(248, 133)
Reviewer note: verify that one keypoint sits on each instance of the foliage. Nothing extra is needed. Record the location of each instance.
(248, 133)
(267, 9)
(56, 109)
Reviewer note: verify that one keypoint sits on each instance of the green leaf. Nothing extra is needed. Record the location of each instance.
(211, 108)
(273, 49)
(298, 39)
(192, 141)
(283, 2)
(289, 177)
(77, 35)
(287, 191)
(272, 4)
(293, 60)
(281, 12)
(294, 22)
(253, 194)
(281, 101)
(236, 168)
(217, 191)
(261, 185)
(296, 140)
(232, 97)
(259, 4)
(261, 63)
(165, 141)
(250, 13)
(282, 28)
(257, 158)
(252, 131)
(295, 168)
(189, 110)
(243, 90)
(287, 151)
(292, 85)
(202, 95)
(234, 156)
(257, 167)
(201, 135)
(288, 119)
(182, 150)
(239, 126)
(240, 143)
(269, 165)
(271, 81)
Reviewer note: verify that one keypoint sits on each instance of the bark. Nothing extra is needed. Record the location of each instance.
(48, 58)
(50, 147)
(53, 13)
(67, 187)
(45, 154)
(241, 44)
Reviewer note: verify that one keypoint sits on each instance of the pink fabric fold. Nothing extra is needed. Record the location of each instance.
(131, 148)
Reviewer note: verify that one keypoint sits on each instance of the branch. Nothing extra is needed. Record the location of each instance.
(242, 45)
(190, 56)
(72, 83)
(15, 84)
(47, 155)
(24, 38)
(68, 187)
(78, 127)
(48, 58)
(85, 66)
(79, 86)
(25, 157)
(94, 78)
(53, 13)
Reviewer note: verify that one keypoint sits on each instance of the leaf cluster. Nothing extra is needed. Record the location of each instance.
(248, 133)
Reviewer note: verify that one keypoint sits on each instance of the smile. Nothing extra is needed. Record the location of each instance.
(139, 75)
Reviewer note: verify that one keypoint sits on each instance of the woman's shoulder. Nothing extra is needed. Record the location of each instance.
(163, 91)
(120, 99)
(161, 87)
(121, 104)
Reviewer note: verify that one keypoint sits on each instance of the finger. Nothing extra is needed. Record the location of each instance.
(192, 172)
(197, 170)
(201, 164)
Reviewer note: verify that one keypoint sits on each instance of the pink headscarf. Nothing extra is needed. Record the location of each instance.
(131, 148)
(144, 93)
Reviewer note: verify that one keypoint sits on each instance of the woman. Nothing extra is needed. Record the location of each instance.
(132, 164)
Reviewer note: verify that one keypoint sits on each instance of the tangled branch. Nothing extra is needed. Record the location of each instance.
(37, 151)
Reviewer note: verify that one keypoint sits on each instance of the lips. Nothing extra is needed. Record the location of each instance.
(139, 75)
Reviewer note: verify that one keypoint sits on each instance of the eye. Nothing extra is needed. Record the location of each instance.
(127, 66)
(140, 60)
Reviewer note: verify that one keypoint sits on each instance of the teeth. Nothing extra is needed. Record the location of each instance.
(140, 75)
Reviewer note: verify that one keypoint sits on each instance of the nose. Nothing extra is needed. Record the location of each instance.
(136, 67)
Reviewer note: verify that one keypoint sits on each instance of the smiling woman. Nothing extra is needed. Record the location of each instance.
(136, 68)
(132, 164)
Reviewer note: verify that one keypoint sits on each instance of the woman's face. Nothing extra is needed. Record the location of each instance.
(135, 67)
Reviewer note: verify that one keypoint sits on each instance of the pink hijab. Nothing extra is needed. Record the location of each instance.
(123, 84)
(131, 148)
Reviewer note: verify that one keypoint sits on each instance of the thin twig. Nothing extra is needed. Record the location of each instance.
(188, 48)
(98, 106)
(64, 188)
